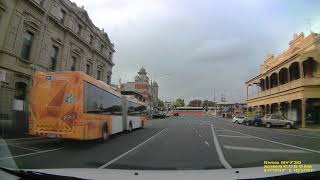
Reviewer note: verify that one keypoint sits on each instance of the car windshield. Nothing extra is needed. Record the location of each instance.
(160, 85)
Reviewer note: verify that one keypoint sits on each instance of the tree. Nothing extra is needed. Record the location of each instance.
(207, 103)
(195, 103)
(179, 103)
(160, 103)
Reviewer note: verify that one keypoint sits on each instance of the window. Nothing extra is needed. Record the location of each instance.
(135, 109)
(20, 96)
(88, 69)
(101, 47)
(108, 79)
(276, 117)
(99, 75)
(97, 100)
(40, 2)
(79, 29)
(91, 39)
(73, 63)
(110, 55)
(26, 45)
(53, 58)
(62, 15)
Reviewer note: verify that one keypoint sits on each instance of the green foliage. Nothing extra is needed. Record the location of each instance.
(160, 103)
(179, 103)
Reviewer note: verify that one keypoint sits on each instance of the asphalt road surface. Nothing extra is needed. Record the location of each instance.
(184, 142)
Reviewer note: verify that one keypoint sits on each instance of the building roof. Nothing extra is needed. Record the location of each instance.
(155, 84)
(142, 71)
(297, 47)
(83, 14)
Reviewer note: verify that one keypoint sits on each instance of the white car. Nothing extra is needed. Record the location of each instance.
(238, 119)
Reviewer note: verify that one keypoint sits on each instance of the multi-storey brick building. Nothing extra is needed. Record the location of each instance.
(46, 35)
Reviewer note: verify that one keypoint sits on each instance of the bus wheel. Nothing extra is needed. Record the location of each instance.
(105, 135)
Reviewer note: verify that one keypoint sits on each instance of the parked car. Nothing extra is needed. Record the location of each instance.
(169, 114)
(159, 115)
(238, 119)
(270, 120)
(253, 120)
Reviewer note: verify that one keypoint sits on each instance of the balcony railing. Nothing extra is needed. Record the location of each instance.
(288, 86)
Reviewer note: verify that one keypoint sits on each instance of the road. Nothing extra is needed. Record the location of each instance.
(184, 142)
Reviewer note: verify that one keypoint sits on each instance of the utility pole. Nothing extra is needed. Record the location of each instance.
(309, 24)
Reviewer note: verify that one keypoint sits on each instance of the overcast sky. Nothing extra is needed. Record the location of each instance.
(191, 47)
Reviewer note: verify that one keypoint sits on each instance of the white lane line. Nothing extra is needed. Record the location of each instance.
(29, 149)
(230, 136)
(200, 135)
(38, 152)
(265, 149)
(207, 143)
(219, 150)
(136, 147)
(289, 134)
(220, 130)
(27, 142)
(279, 132)
(284, 144)
(36, 141)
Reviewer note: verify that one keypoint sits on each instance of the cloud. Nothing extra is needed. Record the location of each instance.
(203, 45)
(222, 50)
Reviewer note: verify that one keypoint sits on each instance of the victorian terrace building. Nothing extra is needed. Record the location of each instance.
(289, 84)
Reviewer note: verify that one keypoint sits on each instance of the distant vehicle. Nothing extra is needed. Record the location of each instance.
(253, 120)
(159, 115)
(190, 110)
(170, 113)
(238, 119)
(270, 120)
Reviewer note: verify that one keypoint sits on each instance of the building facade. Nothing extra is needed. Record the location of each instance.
(289, 84)
(46, 35)
(142, 86)
(227, 109)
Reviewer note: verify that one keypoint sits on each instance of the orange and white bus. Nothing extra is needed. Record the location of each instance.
(73, 105)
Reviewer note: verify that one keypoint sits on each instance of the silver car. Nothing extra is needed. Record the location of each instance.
(270, 120)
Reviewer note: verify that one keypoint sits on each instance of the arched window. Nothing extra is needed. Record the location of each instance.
(309, 68)
(283, 76)
(294, 71)
(267, 82)
(273, 80)
(262, 84)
